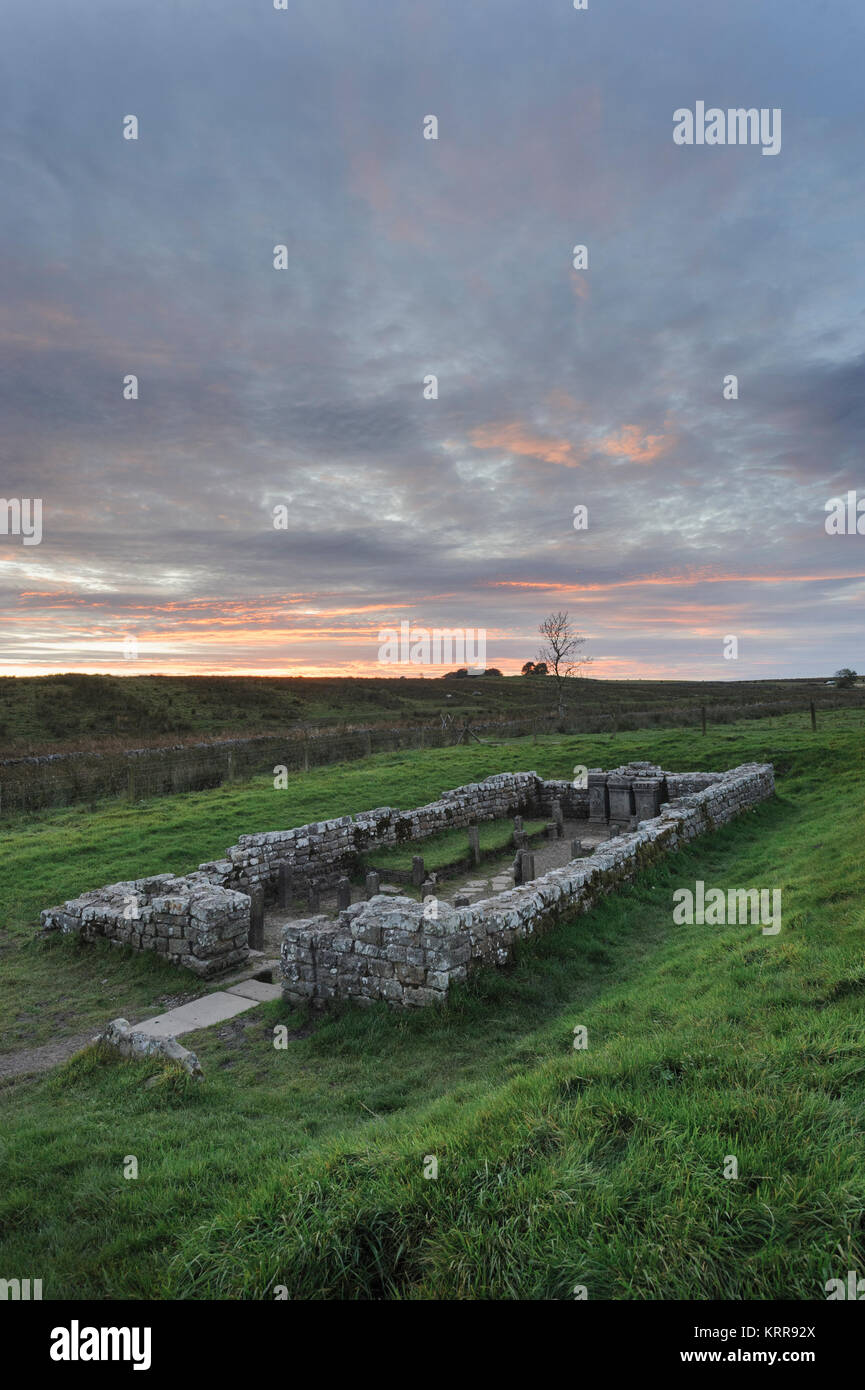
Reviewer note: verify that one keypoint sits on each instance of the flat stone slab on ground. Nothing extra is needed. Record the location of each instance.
(201, 1013)
(259, 990)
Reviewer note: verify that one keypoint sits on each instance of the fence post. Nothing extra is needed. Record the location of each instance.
(813, 716)
(703, 717)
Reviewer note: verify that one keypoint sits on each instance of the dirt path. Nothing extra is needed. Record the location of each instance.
(36, 1059)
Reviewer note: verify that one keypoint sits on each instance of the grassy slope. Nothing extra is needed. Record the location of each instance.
(304, 1166)
(72, 711)
(55, 855)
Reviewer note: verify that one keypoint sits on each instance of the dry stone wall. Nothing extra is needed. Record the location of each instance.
(325, 850)
(202, 920)
(395, 949)
(189, 921)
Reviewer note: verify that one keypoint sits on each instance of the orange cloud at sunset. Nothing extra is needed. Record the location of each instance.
(685, 580)
(514, 438)
(630, 443)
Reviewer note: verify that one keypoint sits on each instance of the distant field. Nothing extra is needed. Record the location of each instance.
(604, 1167)
(74, 711)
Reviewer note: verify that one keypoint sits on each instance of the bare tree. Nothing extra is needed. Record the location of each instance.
(561, 650)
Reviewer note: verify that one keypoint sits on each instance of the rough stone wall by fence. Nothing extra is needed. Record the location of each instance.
(394, 949)
(187, 920)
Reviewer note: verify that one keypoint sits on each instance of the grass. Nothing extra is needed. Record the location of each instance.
(303, 1166)
(50, 856)
(95, 712)
(450, 847)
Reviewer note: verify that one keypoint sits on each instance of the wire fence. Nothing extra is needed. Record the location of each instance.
(64, 779)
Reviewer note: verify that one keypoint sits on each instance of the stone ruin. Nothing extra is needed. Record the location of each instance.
(190, 921)
(402, 951)
(396, 948)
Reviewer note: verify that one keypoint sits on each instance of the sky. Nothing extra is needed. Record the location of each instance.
(302, 394)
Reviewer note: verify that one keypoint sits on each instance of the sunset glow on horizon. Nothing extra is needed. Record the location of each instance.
(483, 379)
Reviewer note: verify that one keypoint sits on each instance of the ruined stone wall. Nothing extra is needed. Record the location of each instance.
(394, 949)
(202, 920)
(187, 920)
(325, 850)
(574, 801)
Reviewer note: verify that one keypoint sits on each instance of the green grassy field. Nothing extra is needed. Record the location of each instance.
(81, 711)
(304, 1166)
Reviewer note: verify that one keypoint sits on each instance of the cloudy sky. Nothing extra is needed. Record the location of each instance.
(303, 388)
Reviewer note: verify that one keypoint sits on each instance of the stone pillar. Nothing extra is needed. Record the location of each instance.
(648, 796)
(552, 830)
(521, 839)
(428, 889)
(576, 849)
(517, 870)
(558, 817)
(313, 897)
(518, 822)
(256, 919)
(372, 884)
(621, 799)
(417, 870)
(527, 866)
(343, 894)
(285, 884)
(475, 844)
(599, 799)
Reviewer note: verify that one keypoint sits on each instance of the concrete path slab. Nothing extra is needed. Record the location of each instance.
(259, 990)
(201, 1013)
